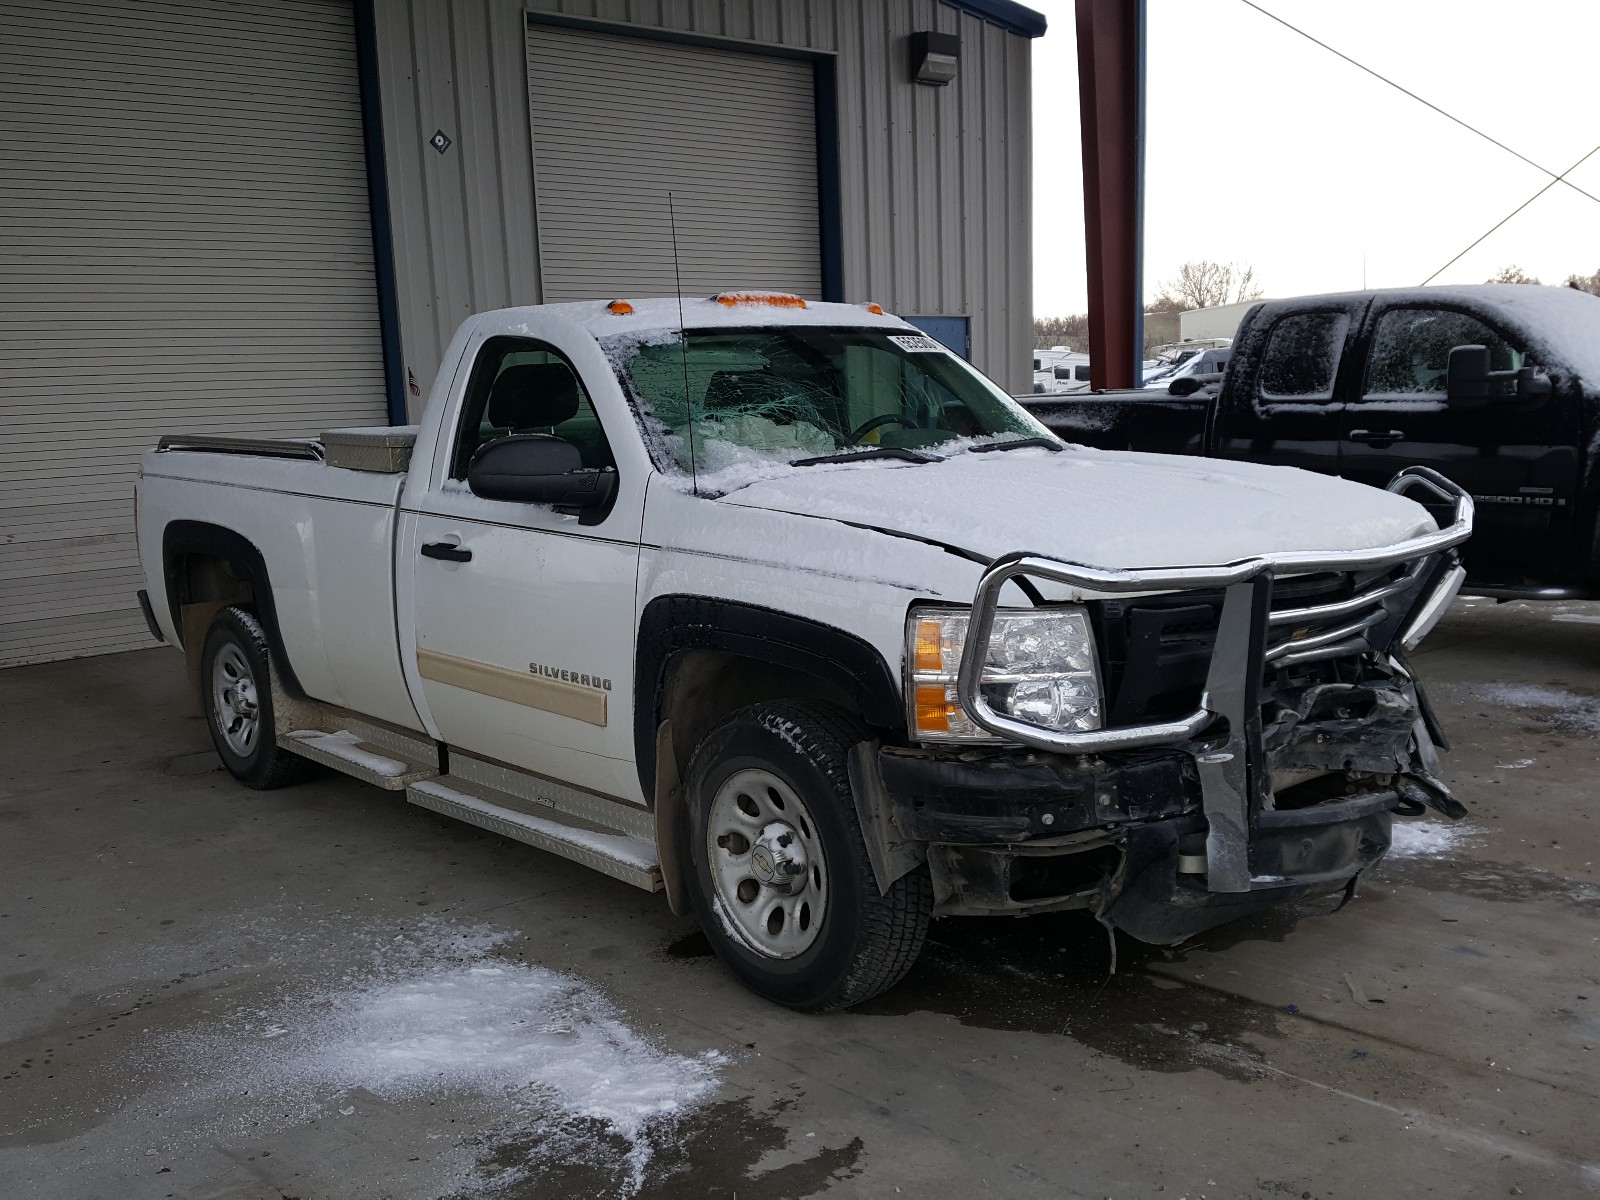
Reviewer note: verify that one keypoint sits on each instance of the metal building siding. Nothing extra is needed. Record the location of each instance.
(186, 247)
(619, 123)
(464, 235)
(935, 198)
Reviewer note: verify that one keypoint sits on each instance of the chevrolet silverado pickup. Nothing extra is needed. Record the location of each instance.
(783, 609)
(1495, 386)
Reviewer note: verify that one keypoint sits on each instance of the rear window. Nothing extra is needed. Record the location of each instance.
(1302, 357)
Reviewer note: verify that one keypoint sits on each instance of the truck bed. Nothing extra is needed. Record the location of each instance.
(1126, 420)
(328, 534)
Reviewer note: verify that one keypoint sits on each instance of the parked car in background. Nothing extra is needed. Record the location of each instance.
(1202, 367)
(1496, 387)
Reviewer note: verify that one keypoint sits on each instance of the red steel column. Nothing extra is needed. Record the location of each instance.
(1110, 90)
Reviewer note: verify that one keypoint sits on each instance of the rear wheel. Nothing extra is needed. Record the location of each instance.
(236, 697)
(780, 878)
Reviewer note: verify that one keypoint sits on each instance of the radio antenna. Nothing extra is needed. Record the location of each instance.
(683, 347)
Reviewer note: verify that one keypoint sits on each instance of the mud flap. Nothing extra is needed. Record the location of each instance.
(890, 855)
(669, 817)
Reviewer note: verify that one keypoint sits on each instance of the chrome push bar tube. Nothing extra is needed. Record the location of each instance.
(1091, 580)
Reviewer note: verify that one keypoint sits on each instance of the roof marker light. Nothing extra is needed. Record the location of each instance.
(875, 309)
(775, 299)
(619, 308)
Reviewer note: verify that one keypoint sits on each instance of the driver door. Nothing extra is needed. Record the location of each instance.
(523, 615)
(1518, 461)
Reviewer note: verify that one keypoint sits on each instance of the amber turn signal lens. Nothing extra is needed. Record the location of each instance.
(930, 647)
(775, 299)
(933, 708)
(619, 308)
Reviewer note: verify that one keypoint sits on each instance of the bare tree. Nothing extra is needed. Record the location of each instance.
(1585, 283)
(1061, 331)
(1511, 274)
(1207, 284)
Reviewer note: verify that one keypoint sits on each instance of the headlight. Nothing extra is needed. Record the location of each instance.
(1040, 669)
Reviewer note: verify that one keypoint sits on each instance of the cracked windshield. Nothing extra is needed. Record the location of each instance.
(792, 394)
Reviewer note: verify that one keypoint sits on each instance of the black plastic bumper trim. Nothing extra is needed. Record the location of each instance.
(149, 615)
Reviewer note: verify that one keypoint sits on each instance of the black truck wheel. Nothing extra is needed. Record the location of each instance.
(780, 879)
(236, 697)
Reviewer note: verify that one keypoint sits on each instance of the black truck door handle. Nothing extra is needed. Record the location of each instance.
(1377, 437)
(448, 551)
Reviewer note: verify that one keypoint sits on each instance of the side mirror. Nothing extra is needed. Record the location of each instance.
(1532, 385)
(1468, 381)
(536, 468)
(1190, 384)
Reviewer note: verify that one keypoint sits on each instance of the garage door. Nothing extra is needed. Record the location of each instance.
(186, 247)
(618, 122)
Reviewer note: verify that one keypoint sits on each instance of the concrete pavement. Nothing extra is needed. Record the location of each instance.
(203, 988)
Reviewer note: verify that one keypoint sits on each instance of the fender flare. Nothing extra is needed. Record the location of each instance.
(670, 625)
(183, 538)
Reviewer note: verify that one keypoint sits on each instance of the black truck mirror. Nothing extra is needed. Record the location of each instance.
(1532, 385)
(1468, 380)
(538, 468)
(1190, 384)
(1469, 383)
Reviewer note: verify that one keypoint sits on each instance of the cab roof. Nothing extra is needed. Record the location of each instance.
(727, 310)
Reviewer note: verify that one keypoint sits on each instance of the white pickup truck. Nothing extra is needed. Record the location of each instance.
(786, 610)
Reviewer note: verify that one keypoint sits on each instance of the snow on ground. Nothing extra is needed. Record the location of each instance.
(1561, 709)
(522, 1056)
(1424, 838)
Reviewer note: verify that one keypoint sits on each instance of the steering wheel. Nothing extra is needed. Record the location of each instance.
(877, 422)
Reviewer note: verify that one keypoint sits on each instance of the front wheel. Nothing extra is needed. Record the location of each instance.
(780, 878)
(236, 697)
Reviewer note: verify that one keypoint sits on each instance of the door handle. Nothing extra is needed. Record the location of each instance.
(447, 551)
(1377, 437)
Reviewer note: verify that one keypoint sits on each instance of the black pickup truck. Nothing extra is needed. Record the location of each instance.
(1496, 386)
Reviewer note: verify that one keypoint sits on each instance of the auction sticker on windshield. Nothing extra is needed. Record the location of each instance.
(915, 342)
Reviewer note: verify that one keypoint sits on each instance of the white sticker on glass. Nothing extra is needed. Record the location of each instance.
(915, 343)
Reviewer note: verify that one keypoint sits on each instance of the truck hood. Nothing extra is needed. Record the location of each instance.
(1101, 508)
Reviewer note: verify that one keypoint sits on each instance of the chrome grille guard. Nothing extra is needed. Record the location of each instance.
(1229, 766)
(1235, 578)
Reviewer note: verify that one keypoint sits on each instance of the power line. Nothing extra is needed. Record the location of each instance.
(1561, 178)
(1554, 178)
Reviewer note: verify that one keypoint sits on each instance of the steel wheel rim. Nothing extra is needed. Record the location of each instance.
(235, 702)
(750, 815)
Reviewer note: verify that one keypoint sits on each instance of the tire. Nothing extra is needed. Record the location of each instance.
(236, 698)
(781, 767)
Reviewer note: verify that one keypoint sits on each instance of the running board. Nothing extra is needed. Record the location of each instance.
(370, 753)
(611, 846)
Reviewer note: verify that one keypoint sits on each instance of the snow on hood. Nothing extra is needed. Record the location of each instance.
(1101, 508)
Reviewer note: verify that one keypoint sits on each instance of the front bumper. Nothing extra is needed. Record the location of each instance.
(1018, 832)
(1170, 826)
(1295, 853)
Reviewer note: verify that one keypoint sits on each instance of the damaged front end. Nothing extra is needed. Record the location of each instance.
(1263, 727)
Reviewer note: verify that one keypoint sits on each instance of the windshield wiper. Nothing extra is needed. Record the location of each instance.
(900, 452)
(1017, 444)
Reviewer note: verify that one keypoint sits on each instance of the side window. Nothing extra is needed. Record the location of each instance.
(520, 386)
(1411, 350)
(1302, 356)
(1081, 372)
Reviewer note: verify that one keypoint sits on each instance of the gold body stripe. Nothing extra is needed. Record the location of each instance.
(519, 687)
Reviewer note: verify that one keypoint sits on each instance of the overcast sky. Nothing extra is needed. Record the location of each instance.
(1266, 149)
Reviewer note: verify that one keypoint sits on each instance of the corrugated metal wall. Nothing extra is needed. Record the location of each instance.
(935, 182)
(185, 247)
